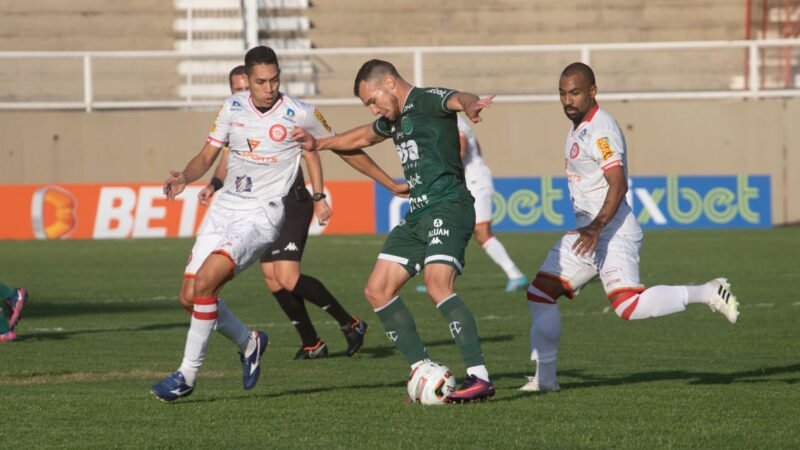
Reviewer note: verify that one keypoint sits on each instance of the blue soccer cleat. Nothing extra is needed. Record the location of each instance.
(516, 284)
(251, 365)
(172, 388)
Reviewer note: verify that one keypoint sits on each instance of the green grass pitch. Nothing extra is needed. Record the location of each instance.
(103, 324)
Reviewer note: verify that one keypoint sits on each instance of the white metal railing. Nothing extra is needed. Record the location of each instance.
(584, 52)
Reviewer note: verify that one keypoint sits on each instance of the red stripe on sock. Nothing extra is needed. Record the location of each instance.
(205, 315)
(205, 300)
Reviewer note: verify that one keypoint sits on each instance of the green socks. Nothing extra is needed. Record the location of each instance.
(6, 291)
(402, 330)
(463, 329)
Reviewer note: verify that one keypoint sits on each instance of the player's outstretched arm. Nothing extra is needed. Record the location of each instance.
(321, 208)
(196, 168)
(471, 104)
(355, 139)
(362, 162)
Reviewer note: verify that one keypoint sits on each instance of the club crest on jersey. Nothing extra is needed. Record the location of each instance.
(406, 125)
(605, 148)
(574, 151)
(277, 132)
(244, 184)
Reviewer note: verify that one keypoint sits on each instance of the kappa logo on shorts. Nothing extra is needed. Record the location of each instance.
(436, 241)
(291, 247)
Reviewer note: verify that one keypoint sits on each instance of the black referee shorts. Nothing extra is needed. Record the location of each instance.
(298, 211)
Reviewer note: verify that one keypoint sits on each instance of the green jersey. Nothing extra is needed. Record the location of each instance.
(426, 139)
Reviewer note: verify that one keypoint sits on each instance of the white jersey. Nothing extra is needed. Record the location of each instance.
(263, 159)
(596, 145)
(475, 168)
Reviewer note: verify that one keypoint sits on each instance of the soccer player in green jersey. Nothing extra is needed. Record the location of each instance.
(11, 302)
(435, 232)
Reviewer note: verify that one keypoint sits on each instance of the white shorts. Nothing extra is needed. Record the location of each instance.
(479, 183)
(616, 260)
(240, 235)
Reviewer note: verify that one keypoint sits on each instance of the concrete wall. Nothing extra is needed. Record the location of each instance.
(664, 138)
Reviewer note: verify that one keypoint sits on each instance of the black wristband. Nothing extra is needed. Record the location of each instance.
(318, 196)
(217, 183)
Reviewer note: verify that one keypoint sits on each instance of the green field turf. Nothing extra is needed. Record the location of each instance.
(103, 324)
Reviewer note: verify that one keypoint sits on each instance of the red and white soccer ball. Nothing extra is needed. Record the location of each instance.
(430, 383)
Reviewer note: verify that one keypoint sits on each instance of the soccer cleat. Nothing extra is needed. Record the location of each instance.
(723, 301)
(251, 365)
(8, 336)
(533, 386)
(316, 351)
(473, 389)
(172, 388)
(16, 305)
(516, 284)
(354, 333)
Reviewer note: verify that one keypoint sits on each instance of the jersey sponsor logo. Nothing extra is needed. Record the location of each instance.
(244, 184)
(289, 115)
(322, 120)
(438, 91)
(236, 124)
(574, 151)
(254, 157)
(277, 132)
(408, 107)
(236, 106)
(582, 134)
(408, 151)
(406, 125)
(436, 241)
(291, 247)
(415, 180)
(605, 148)
(417, 202)
(253, 144)
(438, 232)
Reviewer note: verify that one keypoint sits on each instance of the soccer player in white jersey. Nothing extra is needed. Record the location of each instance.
(607, 239)
(262, 164)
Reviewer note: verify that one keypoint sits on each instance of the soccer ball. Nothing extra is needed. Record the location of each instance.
(430, 383)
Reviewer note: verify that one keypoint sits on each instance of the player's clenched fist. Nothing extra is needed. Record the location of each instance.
(306, 140)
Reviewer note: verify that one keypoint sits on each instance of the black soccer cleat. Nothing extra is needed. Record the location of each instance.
(316, 351)
(354, 333)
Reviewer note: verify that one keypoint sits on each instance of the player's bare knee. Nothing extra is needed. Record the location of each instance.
(204, 286)
(287, 280)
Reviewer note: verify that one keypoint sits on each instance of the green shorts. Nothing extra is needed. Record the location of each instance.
(437, 234)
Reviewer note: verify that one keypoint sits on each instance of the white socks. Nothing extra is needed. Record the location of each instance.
(479, 371)
(494, 248)
(660, 301)
(231, 327)
(204, 318)
(545, 336)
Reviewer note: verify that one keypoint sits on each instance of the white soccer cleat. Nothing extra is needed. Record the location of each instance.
(723, 301)
(533, 386)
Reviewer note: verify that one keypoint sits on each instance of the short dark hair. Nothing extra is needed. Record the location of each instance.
(373, 69)
(579, 68)
(259, 55)
(238, 70)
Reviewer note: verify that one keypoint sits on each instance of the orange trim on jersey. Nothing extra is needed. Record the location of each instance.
(270, 111)
(564, 283)
(615, 292)
(217, 141)
(611, 165)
